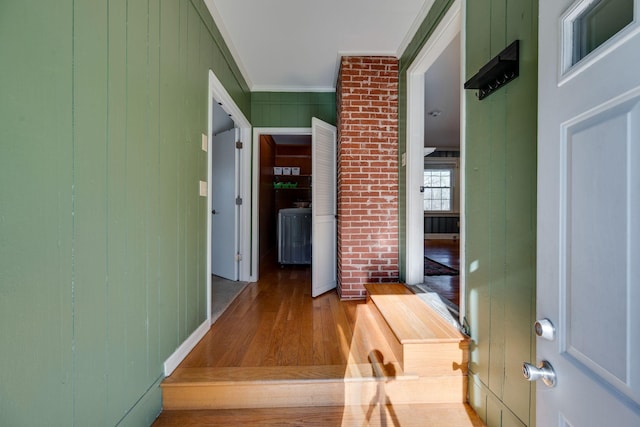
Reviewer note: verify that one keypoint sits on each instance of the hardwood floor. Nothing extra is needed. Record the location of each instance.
(447, 252)
(275, 328)
(275, 322)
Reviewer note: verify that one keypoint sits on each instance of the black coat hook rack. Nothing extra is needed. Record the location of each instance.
(496, 73)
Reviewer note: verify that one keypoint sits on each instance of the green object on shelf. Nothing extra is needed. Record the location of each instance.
(285, 185)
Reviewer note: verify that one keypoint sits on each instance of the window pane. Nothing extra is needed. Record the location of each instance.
(598, 23)
(437, 191)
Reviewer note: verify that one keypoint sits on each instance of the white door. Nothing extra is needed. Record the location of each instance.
(588, 273)
(323, 188)
(225, 212)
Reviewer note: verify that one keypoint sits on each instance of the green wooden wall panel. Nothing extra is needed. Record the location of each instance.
(117, 285)
(168, 163)
(521, 221)
(135, 312)
(494, 257)
(36, 172)
(104, 198)
(90, 70)
(501, 138)
(292, 109)
(152, 205)
(224, 66)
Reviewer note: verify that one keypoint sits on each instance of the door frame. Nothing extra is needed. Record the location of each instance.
(217, 93)
(444, 33)
(255, 188)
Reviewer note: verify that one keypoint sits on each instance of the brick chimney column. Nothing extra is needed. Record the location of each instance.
(367, 96)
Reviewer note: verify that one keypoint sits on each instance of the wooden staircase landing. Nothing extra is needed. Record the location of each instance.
(399, 350)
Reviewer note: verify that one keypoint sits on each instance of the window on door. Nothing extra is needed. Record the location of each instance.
(438, 190)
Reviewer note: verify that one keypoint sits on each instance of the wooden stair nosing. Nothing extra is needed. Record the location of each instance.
(410, 319)
(446, 389)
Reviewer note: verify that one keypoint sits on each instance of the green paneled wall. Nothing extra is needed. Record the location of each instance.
(500, 156)
(102, 231)
(292, 109)
(500, 188)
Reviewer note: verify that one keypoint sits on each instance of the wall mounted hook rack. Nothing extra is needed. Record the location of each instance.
(496, 73)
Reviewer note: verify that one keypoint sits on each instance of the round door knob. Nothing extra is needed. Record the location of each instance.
(544, 371)
(545, 329)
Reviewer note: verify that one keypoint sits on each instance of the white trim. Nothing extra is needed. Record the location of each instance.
(181, 352)
(446, 31)
(267, 88)
(424, 11)
(217, 19)
(255, 185)
(463, 149)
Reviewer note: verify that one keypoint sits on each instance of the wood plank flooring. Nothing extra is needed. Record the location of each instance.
(275, 322)
(447, 252)
(274, 326)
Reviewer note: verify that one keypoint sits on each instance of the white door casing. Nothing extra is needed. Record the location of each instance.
(588, 249)
(323, 192)
(224, 210)
(445, 32)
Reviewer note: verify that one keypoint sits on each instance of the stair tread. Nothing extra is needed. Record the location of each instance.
(410, 318)
(262, 374)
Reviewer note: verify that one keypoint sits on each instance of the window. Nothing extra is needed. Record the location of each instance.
(438, 190)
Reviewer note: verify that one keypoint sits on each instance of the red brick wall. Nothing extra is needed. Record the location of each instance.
(367, 96)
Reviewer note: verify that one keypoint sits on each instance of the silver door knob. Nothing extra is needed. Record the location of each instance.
(545, 329)
(544, 371)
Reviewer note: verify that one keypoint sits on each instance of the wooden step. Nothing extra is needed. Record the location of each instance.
(372, 414)
(396, 348)
(302, 386)
(422, 342)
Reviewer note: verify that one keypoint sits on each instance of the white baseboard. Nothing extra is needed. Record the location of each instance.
(181, 352)
(442, 236)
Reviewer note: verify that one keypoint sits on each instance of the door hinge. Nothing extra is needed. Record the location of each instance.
(238, 200)
(238, 256)
(239, 145)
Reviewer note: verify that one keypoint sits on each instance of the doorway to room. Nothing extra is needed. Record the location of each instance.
(228, 202)
(284, 199)
(292, 175)
(434, 179)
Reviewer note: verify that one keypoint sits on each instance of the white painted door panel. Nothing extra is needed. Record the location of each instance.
(588, 272)
(323, 185)
(225, 212)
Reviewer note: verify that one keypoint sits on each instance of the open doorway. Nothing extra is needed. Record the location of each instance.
(434, 182)
(291, 174)
(277, 188)
(285, 200)
(228, 200)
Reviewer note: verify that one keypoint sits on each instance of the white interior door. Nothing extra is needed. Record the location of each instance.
(323, 185)
(225, 212)
(588, 273)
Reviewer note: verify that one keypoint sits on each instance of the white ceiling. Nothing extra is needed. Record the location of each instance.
(295, 45)
(442, 87)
